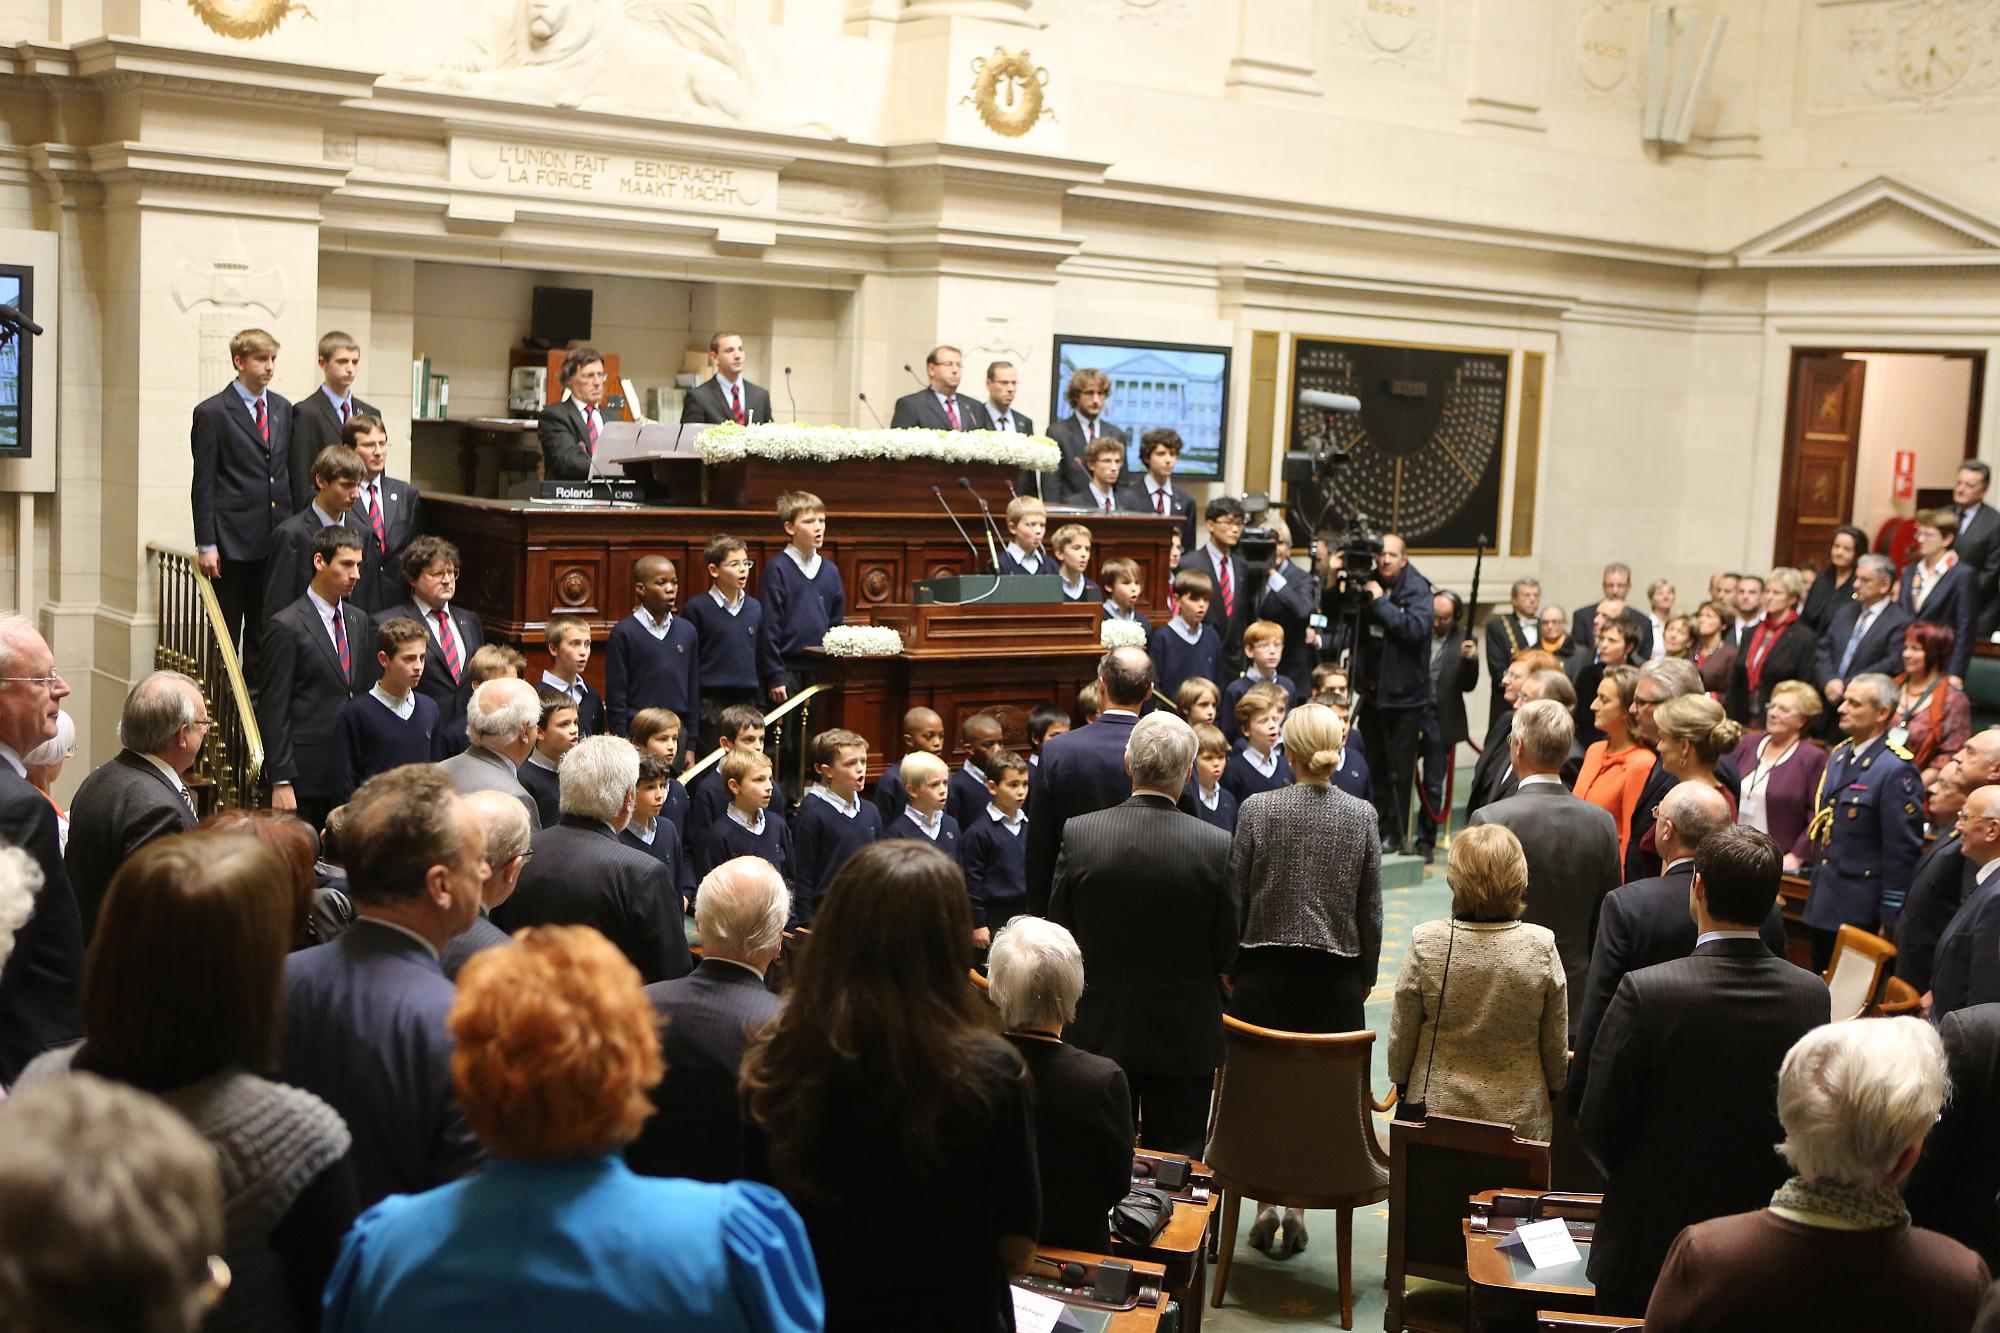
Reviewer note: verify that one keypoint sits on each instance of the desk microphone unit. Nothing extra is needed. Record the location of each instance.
(993, 589)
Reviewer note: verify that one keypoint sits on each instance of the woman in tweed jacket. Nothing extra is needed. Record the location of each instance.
(1308, 869)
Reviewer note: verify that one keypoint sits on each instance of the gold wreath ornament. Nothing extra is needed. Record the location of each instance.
(1012, 77)
(245, 19)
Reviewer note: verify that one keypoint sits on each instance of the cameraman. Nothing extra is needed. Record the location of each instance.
(1395, 682)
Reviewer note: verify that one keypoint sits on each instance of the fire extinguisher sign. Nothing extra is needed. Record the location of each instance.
(1906, 474)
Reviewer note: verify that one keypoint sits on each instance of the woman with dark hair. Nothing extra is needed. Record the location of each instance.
(891, 1116)
(1617, 645)
(1835, 583)
(1933, 717)
(181, 995)
(1616, 766)
(1781, 647)
(1938, 588)
(288, 836)
(1714, 657)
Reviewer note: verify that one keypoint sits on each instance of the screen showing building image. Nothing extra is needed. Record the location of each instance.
(13, 365)
(1156, 384)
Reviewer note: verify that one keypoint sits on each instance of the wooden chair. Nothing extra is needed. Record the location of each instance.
(1292, 1128)
(1898, 997)
(1434, 1168)
(1564, 1321)
(1854, 973)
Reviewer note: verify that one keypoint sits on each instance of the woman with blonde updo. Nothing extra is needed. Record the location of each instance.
(1694, 735)
(1308, 864)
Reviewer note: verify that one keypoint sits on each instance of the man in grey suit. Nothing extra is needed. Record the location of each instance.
(508, 848)
(1086, 393)
(1145, 889)
(138, 794)
(1680, 1114)
(1571, 845)
(503, 722)
(710, 1016)
(941, 406)
(1978, 544)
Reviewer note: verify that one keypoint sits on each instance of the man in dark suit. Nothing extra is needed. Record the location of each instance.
(1647, 922)
(138, 794)
(1942, 878)
(316, 657)
(365, 1013)
(1978, 543)
(568, 430)
(430, 571)
(1395, 682)
(1146, 891)
(1002, 382)
(1232, 609)
(1084, 770)
(1454, 671)
(726, 395)
(1953, 1186)
(1571, 845)
(320, 418)
(708, 1017)
(38, 982)
(1617, 586)
(1866, 633)
(583, 876)
(508, 834)
(1510, 631)
(1939, 587)
(1679, 1113)
(1086, 393)
(941, 406)
(386, 511)
(1748, 600)
(242, 489)
(1967, 967)
(1288, 597)
(337, 474)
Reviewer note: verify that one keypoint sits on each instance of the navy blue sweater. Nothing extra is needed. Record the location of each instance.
(966, 798)
(948, 840)
(1091, 593)
(822, 840)
(369, 739)
(890, 798)
(641, 672)
(798, 611)
(545, 785)
(664, 848)
(589, 712)
(1009, 565)
(1352, 776)
(728, 840)
(1225, 712)
(705, 805)
(1224, 814)
(1176, 660)
(736, 654)
(1243, 781)
(996, 868)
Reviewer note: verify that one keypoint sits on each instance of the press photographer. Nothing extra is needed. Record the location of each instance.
(1394, 680)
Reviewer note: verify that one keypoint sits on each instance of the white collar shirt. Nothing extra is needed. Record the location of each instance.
(808, 565)
(402, 707)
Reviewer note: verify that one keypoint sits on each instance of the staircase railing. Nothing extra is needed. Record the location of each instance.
(193, 640)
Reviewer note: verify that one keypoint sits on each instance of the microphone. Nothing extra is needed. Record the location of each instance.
(1012, 494)
(970, 545)
(992, 533)
(11, 315)
(922, 383)
(788, 396)
(1329, 402)
(871, 411)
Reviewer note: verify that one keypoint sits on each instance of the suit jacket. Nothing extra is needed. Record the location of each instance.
(1228, 626)
(365, 1030)
(1134, 498)
(1953, 1187)
(1503, 640)
(476, 938)
(1978, 546)
(1693, 1042)
(1081, 771)
(706, 402)
(1640, 863)
(1083, 1140)
(1291, 607)
(922, 409)
(242, 489)
(124, 804)
(1954, 602)
(1071, 478)
(1792, 657)
(1452, 678)
(1572, 851)
(1495, 768)
(288, 570)
(302, 690)
(1967, 968)
(708, 1018)
(477, 768)
(315, 425)
(38, 982)
(1146, 891)
(1881, 649)
(382, 582)
(583, 876)
(1017, 421)
(1641, 924)
(451, 696)
(566, 453)
(1938, 888)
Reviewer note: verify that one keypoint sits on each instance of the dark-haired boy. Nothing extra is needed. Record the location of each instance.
(392, 724)
(315, 658)
(386, 509)
(654, 657)
(993, 848)
(541, 773)
(738, 664)
(319, 419)
(1186, 646)
(1232, 609)
(1045, 721)
(649, 830)
(1152, 491)
(336, 476)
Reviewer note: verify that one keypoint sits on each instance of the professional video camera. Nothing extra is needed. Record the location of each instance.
(1258, 545)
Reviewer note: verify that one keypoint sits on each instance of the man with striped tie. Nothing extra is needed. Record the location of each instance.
(568, 430)
(726, 395)
(430, 566)
(319, 418)
(242, 488)
(1152, 490)
(317, 654)
(386, 511)
(1087, 392)
(941, 406)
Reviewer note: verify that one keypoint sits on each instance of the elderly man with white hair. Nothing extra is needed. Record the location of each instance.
(508, 835)
(502, 723)
(1835, 1249)
(1146, 889)
(708, 1018)
(582, 875)
(1083, 1108)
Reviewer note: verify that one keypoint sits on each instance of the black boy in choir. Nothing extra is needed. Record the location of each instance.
(981, 734)
(750, 824)
(1072, 546)
(1185, 646)
(742, 727)
(336, 477)
(1027, 522)
(737, 662)
(315, 658)
(833, 821)
(541, 774)
(1260, 764)
(569, 655)
(392, 724)
(993, 848)
(923, 730)
(926, 781)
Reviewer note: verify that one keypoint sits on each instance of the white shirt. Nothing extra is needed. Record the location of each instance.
(756, 826)
(1210, 797)
(1112, 609)
(850, 807)
(1190, 634)
(327, 611)
(337, 401)
(1750, 800)
(1003, 417)
(731, 607)
(1100, 498)
(1275, 580)
(1154, 490)
(1727, 935)
(1544, 779)
(574, 689)
(542, 761)
(952, 409)
(402, 708)
(1033, 564)
(1267, 764)
(1103, 713)
(644, 835)
(1013, 826)
(657, 628)
(1073, 590)
(724, 383)
(326, 520)
(811, 570)
(931, 825)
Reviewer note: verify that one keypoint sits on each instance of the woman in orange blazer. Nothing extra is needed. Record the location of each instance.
(1615, 769)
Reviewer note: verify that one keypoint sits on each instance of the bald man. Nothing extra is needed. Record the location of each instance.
(1968, 954)
(508, 832)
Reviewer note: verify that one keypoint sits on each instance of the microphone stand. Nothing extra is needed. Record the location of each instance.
(788, 396)
(970, 545)
(871, 412)
(992, 532)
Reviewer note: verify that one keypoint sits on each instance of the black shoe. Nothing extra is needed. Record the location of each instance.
(1429, 854)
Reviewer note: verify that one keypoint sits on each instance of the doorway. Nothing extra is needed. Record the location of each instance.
(1851, 413)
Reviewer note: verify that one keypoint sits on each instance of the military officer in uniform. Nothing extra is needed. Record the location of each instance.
(1868, 822)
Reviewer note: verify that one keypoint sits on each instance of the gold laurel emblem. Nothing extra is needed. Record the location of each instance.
(245, 18)
(1012, 77)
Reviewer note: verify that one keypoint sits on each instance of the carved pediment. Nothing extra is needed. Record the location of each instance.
(1882, 223)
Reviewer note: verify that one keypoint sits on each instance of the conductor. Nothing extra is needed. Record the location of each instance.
(726, 395)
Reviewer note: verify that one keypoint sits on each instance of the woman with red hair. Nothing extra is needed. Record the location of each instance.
(1933, 718)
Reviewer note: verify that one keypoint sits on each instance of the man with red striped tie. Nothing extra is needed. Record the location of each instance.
(319, 417)
(726, 395)
(317, 655)
(430, 566)
(242, 491)
(569, 429)
(941, 406)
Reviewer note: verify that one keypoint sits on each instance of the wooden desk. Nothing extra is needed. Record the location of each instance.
(1142, 1318)
(1182, 1250)
(1506, 1293)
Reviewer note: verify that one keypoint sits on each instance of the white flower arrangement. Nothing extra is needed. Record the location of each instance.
(1122, 634)
(861, 641)
(730, 443)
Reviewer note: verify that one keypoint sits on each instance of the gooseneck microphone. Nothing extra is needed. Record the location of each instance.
(788, 396)
(992, 533)
(970, 545)
(871, 410)
(11, 315)
(922, 383)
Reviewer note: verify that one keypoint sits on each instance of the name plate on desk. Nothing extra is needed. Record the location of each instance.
(1546, 1244)
(602, 491)
(993, 589)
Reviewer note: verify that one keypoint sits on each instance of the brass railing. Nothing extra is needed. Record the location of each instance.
(774, 724)
(194, 641)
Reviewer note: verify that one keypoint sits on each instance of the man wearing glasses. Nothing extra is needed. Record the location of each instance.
(1965, 975)
(38, 984)
(737, 660)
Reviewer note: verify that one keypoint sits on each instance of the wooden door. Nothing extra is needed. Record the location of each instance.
(1822, 439)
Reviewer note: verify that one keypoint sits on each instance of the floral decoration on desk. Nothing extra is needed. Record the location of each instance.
(731, 443)
(861, 641)
(1122, 634)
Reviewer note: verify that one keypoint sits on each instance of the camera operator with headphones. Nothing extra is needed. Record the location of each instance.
(1394, 680)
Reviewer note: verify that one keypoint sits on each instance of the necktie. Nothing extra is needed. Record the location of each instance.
(1107, 504)
(736, 404)
(1854, 641)
(1228, 589)
(590, 429)
(449, 643)
(951, 411)
(1090, 431)
(345, 408)
(263, 425)
(1003, 421)
(375, 516)
(187, 799)
(340, 643)
(1160, 502)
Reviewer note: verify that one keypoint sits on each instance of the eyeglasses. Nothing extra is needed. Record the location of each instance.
(736, 564)
(48, 682)
(203, 722)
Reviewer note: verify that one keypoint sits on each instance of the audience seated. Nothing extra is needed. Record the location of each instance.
(556, 1052)
(180, 999)
(1834, 1250)
(508, 850)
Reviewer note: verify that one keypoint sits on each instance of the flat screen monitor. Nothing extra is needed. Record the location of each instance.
(1181, 385)
(17, 289)
(561, 315)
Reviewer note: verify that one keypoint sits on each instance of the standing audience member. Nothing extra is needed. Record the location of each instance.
(503, 722)
(1952, 1188)
(1510, 633)
(241, 484)
(45, 763)
(1695, 736)
(1658, 682)
(1781, 768)
(880, 1091)
(1615, 767)
(1083, 1109)
(1781, 646)
(1616, 585)
(1617, 646)
(1864, 632)
(430, 566)
(297, 850)
(1660, 596)
(1938, 589)
(1967, 968)
(1084, 770)
(654, 657)
(1834, 588)
(1148, 893)
(1693, 1042)
(508, 850)
(708, 1018)
(1978, 542)
(1748, 602)
(393, 724)
(181, 999)
(337, 475)
(1395, 683)
(833, 821)
(557, 1050)
(1454, 671)
(555, 737)
(1942, 878)
(320, 418)
(994, 851)
(1714, 656)
(1494, 769)
(1834, 1249)
(365, 1014)
(137, 795)
(1933, 715)
(313, 659)
(751, 824)
(735, 657)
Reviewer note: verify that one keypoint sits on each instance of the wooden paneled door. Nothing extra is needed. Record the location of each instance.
(1822, 440)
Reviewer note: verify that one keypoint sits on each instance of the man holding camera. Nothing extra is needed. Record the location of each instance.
(1395, 682)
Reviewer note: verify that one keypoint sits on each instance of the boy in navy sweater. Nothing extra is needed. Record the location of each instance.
(1351, 773)
(1072, 543)
(559, 736)
(738, 665)
(654, 658)
(1122, 587)
(1213, 802)
(923, 730)
(742, 727)
(982, 734)
(392, 724)
(748, 826)
(927, 780)
(1047, 720)
(834, 822)
(1260, 765)
(1264, 645)
(1027, 520)
(569, 654)
(802, 593)
(657, 732)
(993, 849)
(1184, 646)
(647, 830)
